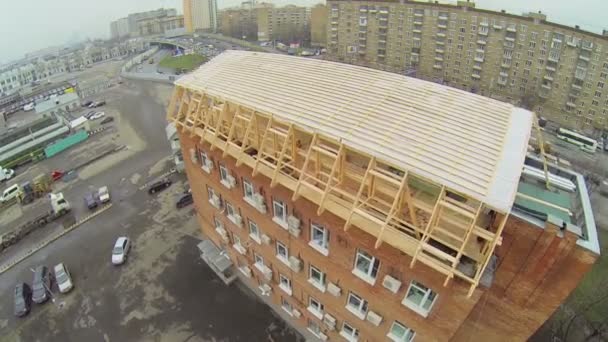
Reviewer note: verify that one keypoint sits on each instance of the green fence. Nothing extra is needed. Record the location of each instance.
(65, 143)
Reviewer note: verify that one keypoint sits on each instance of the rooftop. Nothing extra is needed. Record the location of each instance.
(56, 102)
(472, 144)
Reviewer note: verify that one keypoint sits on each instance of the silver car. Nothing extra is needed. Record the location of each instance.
(63, 278)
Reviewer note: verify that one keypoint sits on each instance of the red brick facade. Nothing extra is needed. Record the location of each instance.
(451, 316)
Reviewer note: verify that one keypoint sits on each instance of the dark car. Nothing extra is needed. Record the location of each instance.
(23, 299)
(89, 201)
(184, 201)
(159, 186)
(87, 103)
(89, 114)
(41, 285)
(99, 103)
(108, 119)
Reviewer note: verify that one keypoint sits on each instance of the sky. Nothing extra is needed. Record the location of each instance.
(27, 26)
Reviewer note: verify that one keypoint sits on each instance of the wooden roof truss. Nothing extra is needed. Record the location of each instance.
(430, 222)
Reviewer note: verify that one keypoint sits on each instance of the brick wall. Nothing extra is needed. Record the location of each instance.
(448, 312)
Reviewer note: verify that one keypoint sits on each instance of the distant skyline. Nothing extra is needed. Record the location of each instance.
(61, 21)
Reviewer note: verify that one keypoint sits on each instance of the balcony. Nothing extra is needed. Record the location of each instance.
(546, 86)
(504, 74)
(497, 26)
(476, 76)
(588, 46)
(363, 10)
(510, 39)
(584, 58)
(417, 23)
(440, 42)
(439, 58)
(477, 67)
(443, 17)
(441, 34)
(438, 66)
(481, 51)
(418, 15)
(576, 86)
(481, 42)
(483, 31)
(502, 81)
(505, 65)
(417, 31)
(548, 78)
(478, 59)
(572, 42)
(580, 73)
(571, 104)
(416, 38)
(442, 26)
(511, 28)
(550, 68)
(438, 50)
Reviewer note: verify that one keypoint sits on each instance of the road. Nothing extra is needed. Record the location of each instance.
(164, 292)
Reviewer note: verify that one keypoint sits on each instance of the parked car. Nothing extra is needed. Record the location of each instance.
(159, 186)
(104, 194)
(89, 114)
(107, 120)
(41, 285)
(184, 201)
(89, 201)
(10, 193)
(97, 115)
(63, 278)
(99, 103)
(23, 299)
(86, 103)
(121, 250)
(28, 107)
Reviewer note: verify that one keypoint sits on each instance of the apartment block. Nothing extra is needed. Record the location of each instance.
(558, 71)
(378, 207)
(239, 23)
(200, 15)
(288, 23)
(318, 25)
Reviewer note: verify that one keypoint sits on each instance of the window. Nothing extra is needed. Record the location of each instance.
(259, 260)
(314, 328)
(285, 284)
(282, 253)
(315, 307)
(356, 305)
(317, 278)
(400, 333)
(218, 224)
(319, 238)
(248, 190)
(254, 232)
(419, 298)
(280, 213)
(224, 173)
(349, 332)
(366, 267)
(285, 305)
(210, 192)
(206, 163)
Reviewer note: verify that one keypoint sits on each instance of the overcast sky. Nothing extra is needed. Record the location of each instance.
(26, 26)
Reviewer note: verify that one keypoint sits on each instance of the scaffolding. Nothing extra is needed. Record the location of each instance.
(437, 226)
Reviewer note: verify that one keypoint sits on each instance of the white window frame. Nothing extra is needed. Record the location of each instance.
(371, 274)
(224, 173)
(280, 220)
(322, 247)
(217, 223)
(254, 234)
(283, 258)
(359, 310)
(232, 213)
(407, 336)
(315, 329)
(204, 161)
(210, 192)
(320, 285)
(349, 336)
(427, 294)
(259, 262)
(315, 307)
(285, 284)
(286, 306)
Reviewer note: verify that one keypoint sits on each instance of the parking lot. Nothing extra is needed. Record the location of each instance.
(164, 292)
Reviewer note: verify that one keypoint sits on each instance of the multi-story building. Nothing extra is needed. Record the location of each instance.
(289, 23)
(200, 15)
(239, 23)
(133, 18)
(373, 206)
(119, 28)
(318, 25)
(159, 25)
(558, 71)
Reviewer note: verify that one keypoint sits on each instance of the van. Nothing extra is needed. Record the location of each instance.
(9, 193)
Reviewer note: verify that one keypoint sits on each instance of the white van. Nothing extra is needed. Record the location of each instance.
(10, 193)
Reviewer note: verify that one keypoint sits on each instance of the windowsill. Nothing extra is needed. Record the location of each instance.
(414, 307)
(213, 204)
(317, 285)
(348, 337)
(256, 238)
(394, 338)
(220, 231)
(283, 260)
(286, 289)
(364, 277)
(261, 267)
(245, 273)
(240, 249)
(289, 312)
(318, 248)
(315, 313)
(280, 222)
(226, 184)
(251, 202)
(316, 334)
(360, 315)
(206, 169)
(234, 220)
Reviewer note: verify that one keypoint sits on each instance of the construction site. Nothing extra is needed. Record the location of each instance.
(431, 190)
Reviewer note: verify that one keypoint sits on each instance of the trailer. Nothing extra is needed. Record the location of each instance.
(42, 215)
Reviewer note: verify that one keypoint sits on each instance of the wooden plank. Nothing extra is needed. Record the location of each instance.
(456, 209)
(296, 192)
(370, 165)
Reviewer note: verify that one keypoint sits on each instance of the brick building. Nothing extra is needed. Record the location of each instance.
(555, 70)
(332, 205)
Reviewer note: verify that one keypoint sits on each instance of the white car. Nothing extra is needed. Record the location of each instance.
(28, 107)
(63, 278)
(120, 250)
(97, 115)
(104, 194)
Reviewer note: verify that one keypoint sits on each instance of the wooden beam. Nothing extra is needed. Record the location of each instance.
(261, 148)
(296, 192)
(286, 142)
(425, 234)
(393, 211)
(233, 124)
(329, 185)
(370, 165)
(252, 122)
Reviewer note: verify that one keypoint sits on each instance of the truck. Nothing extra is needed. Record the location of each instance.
(42, 215)
(6, 174)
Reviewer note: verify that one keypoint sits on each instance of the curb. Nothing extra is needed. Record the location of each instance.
(7, 266)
